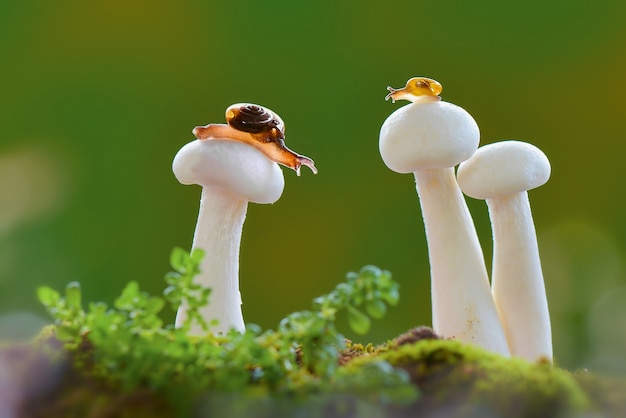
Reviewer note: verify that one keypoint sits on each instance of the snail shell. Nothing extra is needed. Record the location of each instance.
(260, 128)
(253, 118)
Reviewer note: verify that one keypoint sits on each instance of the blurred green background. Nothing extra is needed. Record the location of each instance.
(97, 97)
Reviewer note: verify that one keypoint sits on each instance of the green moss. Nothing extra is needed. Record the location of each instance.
(124, 361)
(461, 377)
(429, 378)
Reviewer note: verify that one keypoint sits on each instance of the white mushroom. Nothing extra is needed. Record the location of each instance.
(429, 137)
(231, 174)
(235, 164)
(502, 173)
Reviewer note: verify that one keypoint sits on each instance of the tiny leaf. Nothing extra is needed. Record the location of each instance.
(73, 295)
(197, 254)
(376, 308)
(392, 296)
(48, 296)
(358, 321)
(179, 259)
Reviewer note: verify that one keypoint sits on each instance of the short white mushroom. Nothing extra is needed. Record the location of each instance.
(235, 164)
(429, 138)
(502, 173)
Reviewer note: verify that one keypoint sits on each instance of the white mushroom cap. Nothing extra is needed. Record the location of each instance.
(503, 168)
(233, 166)
(423, 135)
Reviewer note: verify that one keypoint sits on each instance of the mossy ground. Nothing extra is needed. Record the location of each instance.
(125, 361)
(452, 379)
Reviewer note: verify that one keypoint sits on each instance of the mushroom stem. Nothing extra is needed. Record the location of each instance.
(517, 280)
(218, 233)
(462, 304)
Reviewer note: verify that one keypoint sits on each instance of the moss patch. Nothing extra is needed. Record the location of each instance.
(462, 379)
(448, 378)
(123, 360)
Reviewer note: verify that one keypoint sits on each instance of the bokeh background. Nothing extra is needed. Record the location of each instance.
(97, 97)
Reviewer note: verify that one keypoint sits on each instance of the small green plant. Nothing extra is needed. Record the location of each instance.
(129, 345)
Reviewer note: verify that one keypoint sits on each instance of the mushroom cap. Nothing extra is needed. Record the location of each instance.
(423, 135)
(233, 166)
(503, 168)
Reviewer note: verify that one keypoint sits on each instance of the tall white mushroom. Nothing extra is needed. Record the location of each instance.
(502, 173)
(429, 138)
(235, 164)
(231, 175)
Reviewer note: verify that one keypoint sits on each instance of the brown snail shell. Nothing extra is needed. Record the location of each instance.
(259, 127)
(252, 118)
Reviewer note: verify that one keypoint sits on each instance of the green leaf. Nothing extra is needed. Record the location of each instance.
(172, 278)
(392, 296)
(128, 300)
(179, 259)
(73, 295)
(376, 308)
(358, 321)
(97, 309)
(197, 254)
(370, 272)
(48, 296)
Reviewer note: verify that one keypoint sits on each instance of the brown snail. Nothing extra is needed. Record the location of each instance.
(259, 127)
(416, 89)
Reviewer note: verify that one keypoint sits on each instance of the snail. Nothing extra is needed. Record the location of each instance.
(259, 127)
(416, 89)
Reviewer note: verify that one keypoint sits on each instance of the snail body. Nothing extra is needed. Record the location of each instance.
(260, 128)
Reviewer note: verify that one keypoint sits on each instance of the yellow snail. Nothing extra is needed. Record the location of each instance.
(416, 89)
(259, 127)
